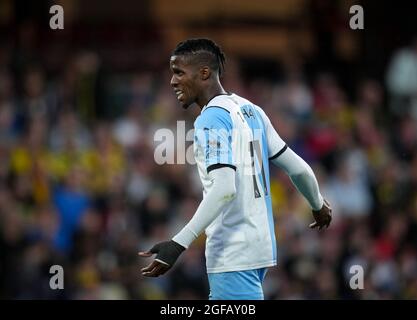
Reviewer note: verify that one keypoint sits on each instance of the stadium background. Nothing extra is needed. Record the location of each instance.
(79, 185)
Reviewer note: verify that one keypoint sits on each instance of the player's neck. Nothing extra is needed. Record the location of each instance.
(210, 93)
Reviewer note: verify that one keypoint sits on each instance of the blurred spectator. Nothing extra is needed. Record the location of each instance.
(402, 80)
(79, 185)
(72, 204)
(348, 190)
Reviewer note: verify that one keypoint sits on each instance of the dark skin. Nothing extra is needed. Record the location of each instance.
(192, 83)
(196, 83)
(155, 269)
(323, 217)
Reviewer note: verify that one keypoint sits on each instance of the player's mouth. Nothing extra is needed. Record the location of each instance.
(180, 94)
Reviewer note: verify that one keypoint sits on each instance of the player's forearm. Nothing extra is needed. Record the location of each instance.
(220, 194)
(307, 185)
(302, 176)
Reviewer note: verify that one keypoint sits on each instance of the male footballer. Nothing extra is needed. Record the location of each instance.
(234, 141)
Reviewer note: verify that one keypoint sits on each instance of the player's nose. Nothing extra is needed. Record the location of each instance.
(174, 81)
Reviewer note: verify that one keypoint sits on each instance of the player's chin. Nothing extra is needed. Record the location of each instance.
(185, 103)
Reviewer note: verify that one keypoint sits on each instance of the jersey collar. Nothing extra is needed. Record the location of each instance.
(217, 95)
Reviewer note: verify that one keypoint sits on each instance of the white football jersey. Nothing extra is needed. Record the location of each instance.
(231, 131)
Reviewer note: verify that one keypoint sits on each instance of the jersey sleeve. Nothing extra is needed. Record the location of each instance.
(213, 133)
(276, 146)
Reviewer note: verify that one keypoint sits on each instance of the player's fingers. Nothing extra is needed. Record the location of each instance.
(155, 272)
(145, 254)
(149, 267)
(149, 273)
(164, 269)
(159, 270)
(313, 225)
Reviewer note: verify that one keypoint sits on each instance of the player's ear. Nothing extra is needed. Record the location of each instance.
(205, 73)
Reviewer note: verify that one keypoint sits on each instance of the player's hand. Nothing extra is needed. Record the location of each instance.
(167, 253)
(323, 216)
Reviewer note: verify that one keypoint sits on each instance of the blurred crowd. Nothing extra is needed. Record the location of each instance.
(80, 188)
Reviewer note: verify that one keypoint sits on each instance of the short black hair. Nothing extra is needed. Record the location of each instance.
(206, 50)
